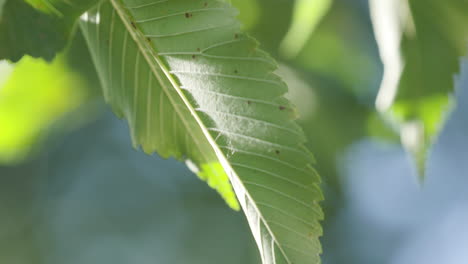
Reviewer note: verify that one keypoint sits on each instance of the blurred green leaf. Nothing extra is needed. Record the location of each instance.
(378, 128)
(421, 43)
(2, 2)
(29, 105)
(249, 12)
(340, 69)
(341, 49)
(25, 30)
(76, 77)
(307, 15)
(273, 14)
(69, 10)
(181, 72)
(335, 121)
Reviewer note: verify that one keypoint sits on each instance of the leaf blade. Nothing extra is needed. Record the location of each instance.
(207, 69)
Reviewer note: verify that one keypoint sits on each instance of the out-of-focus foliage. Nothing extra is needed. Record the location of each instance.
(2, 2)
(68, 10)
(29, 105)
(41, 32)
(94, 199)
(307, 14)
(249, 12)
(389, 217)
(341, 43)
(272, 14)
(421, 43)
(53, 98)
(24, 30)
(342, 110)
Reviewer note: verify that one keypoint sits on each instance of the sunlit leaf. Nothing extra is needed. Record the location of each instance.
(421, 43)
(192, 86)
(214, 175)
(33, 95)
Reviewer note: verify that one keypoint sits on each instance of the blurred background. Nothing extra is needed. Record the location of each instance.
(73, 190)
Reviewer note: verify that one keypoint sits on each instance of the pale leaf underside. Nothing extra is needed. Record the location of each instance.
(193, 87)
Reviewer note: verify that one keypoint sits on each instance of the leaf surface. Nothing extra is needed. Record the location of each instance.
(193, 87)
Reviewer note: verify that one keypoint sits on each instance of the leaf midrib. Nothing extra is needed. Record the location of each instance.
(142, 43)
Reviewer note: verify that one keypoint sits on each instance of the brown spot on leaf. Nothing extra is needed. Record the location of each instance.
(188, 15)
(198, 49)
(281, 107)
(249, 102)
(133, 25)
(236, 36)
(194, 57)
(277, 152)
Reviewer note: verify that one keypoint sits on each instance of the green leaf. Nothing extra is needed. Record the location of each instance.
(26, 111)
(25, 30)
(307, 15)
(213, 173)
(421, 43)
(193, 87)
(249, 12)
(2, 2)
(69, 10)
